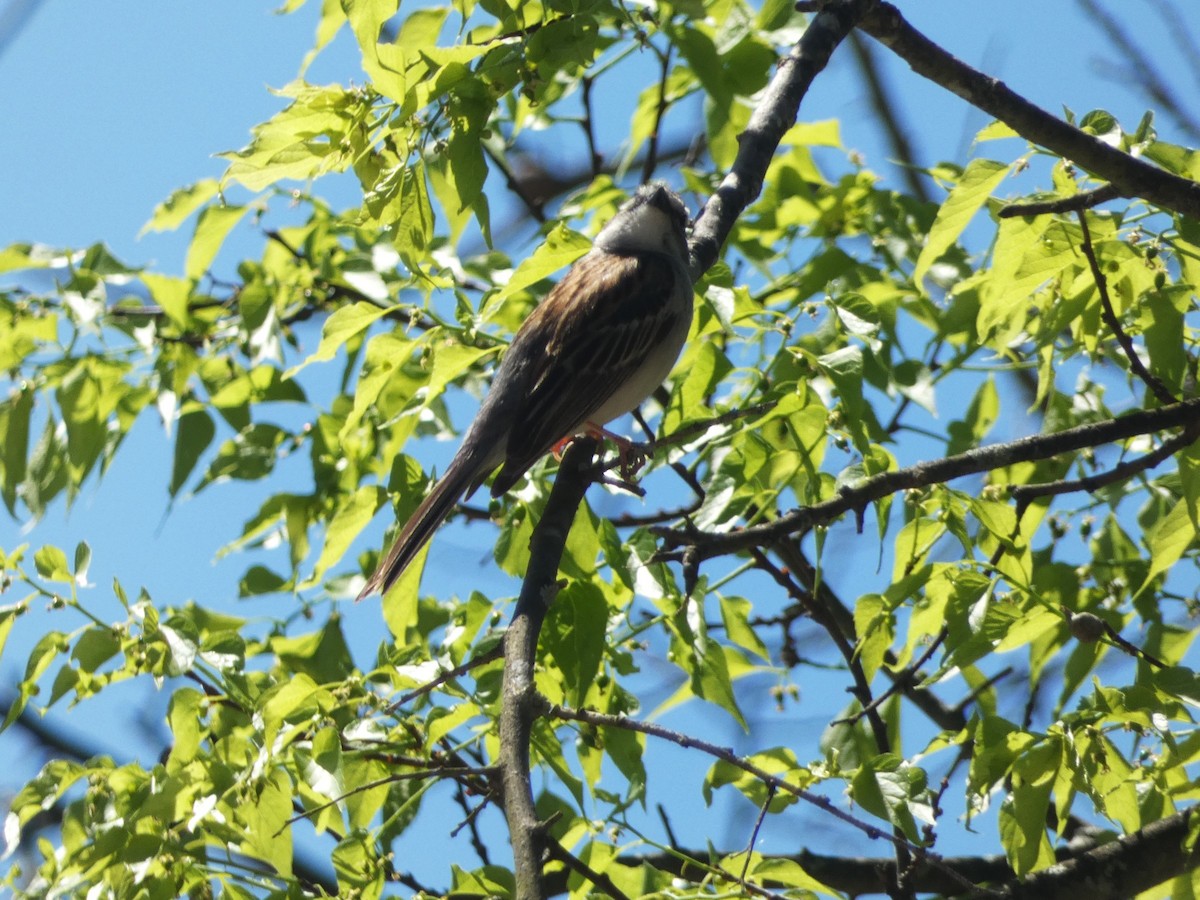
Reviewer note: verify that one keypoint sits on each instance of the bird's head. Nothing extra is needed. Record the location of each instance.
(654, 220)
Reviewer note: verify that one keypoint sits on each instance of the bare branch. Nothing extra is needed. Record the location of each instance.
(1145, 72)
(651, 162)
(1130, 177)
(727, 755)
(1109, 871)
(884, 110)
(972, 462)
(1024, 493)
(1082, 200)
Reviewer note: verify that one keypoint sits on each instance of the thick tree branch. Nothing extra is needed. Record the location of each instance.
(1122, 868)
(1085, 870)
(773, 116)
(1130, 176)
(1024, 493)
(520, 704)
(972, 462)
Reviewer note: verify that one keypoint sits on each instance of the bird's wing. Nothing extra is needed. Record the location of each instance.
(584, 342)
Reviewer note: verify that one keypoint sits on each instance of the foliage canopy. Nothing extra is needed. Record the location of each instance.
(841, 495)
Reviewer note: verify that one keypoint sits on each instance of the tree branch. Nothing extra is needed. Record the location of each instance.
(1121, 868)
(725, 754)
(520, 704)
(1085, 870)
(972, 462)
(884, 109)
(1082, 200)
(772, 117)
(1109, 315)
(1130, 176)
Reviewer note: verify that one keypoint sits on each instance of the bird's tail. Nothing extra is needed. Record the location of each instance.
(461, 476)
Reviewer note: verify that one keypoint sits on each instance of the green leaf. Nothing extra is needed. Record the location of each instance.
(975, 185)
(735, 616)
(844, 367)
(349, 519)
(46, 475)
(875, 625)
(83, 398)
(895, 791)
(711, 679)
(184, 201)
(346, 323)
(8, 615)
(183, 717)
(260, 580)
(95, 647)
(212, 227)
(781, 871)
(981, 415)
(52, 565)
(778, 761)
(248, 456)
(858, 315)
(360, 871)
(383, 62)
(83, 559)
(45, 651)
(172, 296)
(14, 426)
(561, 248)
(268, 836)
(574, 635)
(1023, 813)
(194, 432)
(1166, 540)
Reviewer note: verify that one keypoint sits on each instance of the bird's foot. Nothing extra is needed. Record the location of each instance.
(631, 456)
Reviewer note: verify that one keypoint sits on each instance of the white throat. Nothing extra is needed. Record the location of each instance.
(643, 229)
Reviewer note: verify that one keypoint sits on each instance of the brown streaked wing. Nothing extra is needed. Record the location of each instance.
(587, 354)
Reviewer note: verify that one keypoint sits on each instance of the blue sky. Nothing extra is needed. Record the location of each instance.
(109, 106)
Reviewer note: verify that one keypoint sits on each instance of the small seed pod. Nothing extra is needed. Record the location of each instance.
(1087, 627)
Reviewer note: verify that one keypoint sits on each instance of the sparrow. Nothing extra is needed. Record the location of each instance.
(601, 341)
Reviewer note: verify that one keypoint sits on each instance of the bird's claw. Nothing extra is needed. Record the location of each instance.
(631, 456)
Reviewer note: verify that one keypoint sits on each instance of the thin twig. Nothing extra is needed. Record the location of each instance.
(1082, 200)
(727, 755)
(762, 814)
(1109, 315)
(474, 662)
(588, 125)
(536, 210)
(448, 772)
(902, 680)
(1024, 493)
(651, 161)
